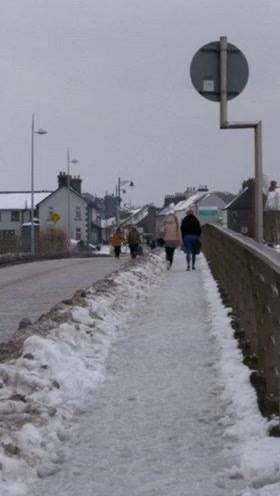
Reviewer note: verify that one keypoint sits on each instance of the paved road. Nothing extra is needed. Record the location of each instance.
(28, 290)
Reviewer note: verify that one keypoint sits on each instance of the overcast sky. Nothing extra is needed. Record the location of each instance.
(110, 80)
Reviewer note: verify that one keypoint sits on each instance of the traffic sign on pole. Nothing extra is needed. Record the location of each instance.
(219, 72)
(205, 71)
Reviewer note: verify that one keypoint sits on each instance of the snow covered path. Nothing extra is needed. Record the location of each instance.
(155, 426)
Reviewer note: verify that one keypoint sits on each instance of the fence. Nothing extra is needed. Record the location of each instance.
(49, 243)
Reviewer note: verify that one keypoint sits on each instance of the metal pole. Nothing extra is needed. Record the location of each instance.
(32, 189)
(118, 202)
(257, 126)
(68, 197)
(223, 81)
(258, 183)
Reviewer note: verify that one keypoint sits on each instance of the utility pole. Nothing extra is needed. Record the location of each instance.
(33, 132)
(118, 191)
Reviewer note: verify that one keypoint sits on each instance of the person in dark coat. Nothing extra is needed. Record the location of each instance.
(191, 231)
(134, 242)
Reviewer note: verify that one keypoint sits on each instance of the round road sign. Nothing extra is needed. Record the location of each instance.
(205, 71)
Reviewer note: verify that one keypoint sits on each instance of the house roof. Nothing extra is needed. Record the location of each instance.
(20, 201)
(192, 200)
(95, 202)
(225, 196)
(242, 201)
(58, 189)
(137, 216)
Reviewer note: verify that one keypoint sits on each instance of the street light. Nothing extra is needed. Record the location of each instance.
(40, 132)
(121, 182)
(72, 161)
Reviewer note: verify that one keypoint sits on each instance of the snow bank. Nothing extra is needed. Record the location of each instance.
(246, 429)
(41, 390)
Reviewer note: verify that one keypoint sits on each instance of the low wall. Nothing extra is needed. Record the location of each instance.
(249, 277)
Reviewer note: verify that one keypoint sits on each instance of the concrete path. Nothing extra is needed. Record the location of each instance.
(152, 428)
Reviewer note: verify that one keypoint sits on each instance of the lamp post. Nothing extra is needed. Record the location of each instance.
(121, 182)
(33, 132)
(69, 161)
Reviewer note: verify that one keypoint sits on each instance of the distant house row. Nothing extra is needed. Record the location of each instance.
(66, 209)
(81, 216)
(92, 220)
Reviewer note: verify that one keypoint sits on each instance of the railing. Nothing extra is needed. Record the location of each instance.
(249, 279)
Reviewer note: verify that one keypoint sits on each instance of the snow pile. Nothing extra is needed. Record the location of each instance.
(245, 428)
(52, 379)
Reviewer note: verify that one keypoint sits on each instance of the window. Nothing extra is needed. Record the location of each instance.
(78, 213)
(15, 215)
(7, 235)
(78, 233)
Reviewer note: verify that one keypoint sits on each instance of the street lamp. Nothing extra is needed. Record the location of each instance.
(41, 132)
(69, 161)
(121, 182)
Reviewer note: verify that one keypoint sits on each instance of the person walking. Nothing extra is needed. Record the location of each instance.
(170, 233)
(191, 231)
(133, 242)
(117, 241)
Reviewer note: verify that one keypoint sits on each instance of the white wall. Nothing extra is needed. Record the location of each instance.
(7, 224)
(58, 202)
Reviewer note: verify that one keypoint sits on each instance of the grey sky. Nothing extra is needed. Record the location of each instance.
(110, 80)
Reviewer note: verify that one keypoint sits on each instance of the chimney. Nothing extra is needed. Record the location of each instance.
(76, 183)
(62, 179)
(202, 187)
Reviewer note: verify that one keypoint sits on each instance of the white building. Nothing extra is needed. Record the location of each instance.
(15, 210)
(83, 218)
(53, 212)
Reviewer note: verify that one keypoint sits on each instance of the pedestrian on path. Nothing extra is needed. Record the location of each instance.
(117, 241)
(133, 242)
(170, 233)
(191, 231)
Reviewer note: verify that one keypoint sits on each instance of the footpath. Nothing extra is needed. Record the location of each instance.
(169, 412)
(155, 426)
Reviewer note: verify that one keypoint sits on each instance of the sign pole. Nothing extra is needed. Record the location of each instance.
(223, 81)
(257, 126)
(258, 183)
(219, 72)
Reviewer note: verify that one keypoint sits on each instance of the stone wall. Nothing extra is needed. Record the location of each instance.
(272, 226)
(249, 278)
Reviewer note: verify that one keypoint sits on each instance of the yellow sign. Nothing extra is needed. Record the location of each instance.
(54, 217)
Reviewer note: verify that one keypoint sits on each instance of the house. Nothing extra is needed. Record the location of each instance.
(190, 202)
(240, 212)
(95, 216)
(145, 219)
(68, 210)
(108, 228)
(207, 206)
(210, 208)
(272, 215)
(15, 212)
